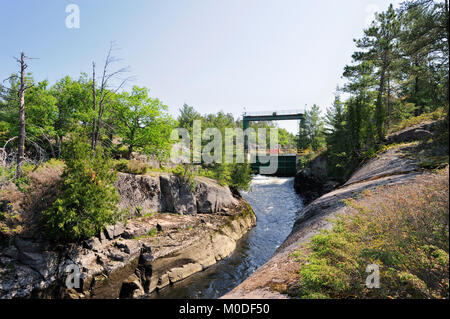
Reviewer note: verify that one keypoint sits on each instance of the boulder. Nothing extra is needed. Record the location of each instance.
(179, 273)
(177, 195)
(211, 197)
(132, 287)
(418, 132)
(139, 193)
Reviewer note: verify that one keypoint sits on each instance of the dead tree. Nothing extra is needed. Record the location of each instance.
(102, 95)
(20, 95)
(22, 131)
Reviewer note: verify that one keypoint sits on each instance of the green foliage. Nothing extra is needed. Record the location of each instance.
(143, 122)
(311, 132)
(414, 120)
(408, 240)
(398, 78)
(88, 197)
(241, 176)
(131, 167)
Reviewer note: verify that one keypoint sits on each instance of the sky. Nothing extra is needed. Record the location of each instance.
(231, 56)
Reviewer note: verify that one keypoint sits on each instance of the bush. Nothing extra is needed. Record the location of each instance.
(132, 167)
(237, 175)
(410, 121)
(88, 197)
(241, 176)
(403, 229)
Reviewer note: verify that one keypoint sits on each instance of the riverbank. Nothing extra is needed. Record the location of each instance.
(148, 252)
(407, 164)
(274, 224)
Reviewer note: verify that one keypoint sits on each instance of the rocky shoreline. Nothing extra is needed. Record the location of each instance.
(199, 227)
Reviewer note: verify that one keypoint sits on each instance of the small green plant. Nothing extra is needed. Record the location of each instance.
(152, 233)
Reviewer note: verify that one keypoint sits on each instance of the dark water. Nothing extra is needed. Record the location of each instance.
(276, 205)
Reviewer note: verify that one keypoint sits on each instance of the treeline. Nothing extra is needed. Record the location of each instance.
(234, 174)
(399, 70)
(126, 122)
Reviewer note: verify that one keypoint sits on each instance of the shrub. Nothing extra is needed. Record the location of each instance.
(403, 229)
(410, 121)
(132, 167)
(241, 176)
(88, 197)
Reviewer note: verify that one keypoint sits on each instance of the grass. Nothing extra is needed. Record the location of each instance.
(431, 116)
(404, 229)
(152, 233)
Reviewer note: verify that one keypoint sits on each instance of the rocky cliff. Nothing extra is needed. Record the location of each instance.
(197, 225)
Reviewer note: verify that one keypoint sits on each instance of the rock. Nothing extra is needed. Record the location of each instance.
(116, 257)
(163, 281)
(11, 251)
(387, 163)
(211, 197)
(45, 263)
(139, 194)
(313, 181)
(418, 132)
(307, 185)
(102, 237)
(118, 229)
(177, 195)
(179, 273)
(93, 243)
(111, 266)
(132, 288)
(114, 231)
(109, 232)
(29, 245)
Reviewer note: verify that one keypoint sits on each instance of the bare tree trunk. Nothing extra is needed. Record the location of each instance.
(105, 93)
(389, 107)
(22, 132)
(93, 140)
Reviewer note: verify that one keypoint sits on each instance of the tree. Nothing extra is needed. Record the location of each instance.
(424, 42)
(379, 46)
(15, 95)
(338, 147)
(72, 107)
(88, 197)
(311, 130)
(102, 96)
(187, 115)
(143, 122)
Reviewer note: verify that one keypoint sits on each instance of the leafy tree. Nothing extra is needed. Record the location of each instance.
(143, 122)
(72, 107)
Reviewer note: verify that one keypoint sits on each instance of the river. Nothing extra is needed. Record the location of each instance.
(276, 205)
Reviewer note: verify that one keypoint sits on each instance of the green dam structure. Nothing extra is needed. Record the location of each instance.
(287, 162)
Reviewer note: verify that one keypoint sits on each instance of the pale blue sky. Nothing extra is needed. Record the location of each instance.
(214, 55)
